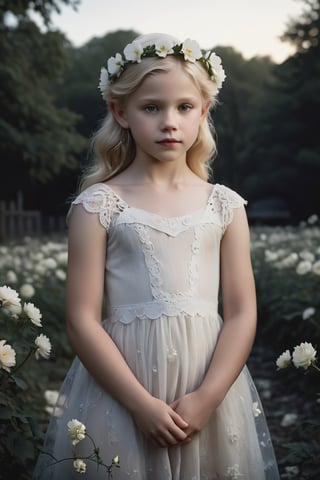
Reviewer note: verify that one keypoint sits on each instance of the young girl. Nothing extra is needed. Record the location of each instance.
(161, 382)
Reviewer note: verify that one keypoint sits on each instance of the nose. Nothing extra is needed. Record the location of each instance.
(169, 120)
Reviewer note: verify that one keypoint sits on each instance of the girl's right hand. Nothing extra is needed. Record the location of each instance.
(160, 423)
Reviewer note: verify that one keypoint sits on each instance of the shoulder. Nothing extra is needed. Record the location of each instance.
(224, 201)
(101, 200)
(227, 196)
(94, 198)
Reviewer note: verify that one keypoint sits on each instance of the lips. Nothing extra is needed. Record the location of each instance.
(168, 141)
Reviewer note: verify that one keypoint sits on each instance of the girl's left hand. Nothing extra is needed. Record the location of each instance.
(195, 410)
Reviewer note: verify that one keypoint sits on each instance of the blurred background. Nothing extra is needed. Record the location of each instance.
(266, 122)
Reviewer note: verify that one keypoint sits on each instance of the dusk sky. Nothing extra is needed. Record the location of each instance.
(252, 27)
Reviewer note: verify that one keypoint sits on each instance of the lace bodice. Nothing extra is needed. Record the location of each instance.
(161, 265)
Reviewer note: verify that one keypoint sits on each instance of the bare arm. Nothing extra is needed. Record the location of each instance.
(239, 309)
(238, 330)
(95, 348)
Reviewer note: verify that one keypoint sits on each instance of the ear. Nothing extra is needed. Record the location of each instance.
(204, 111)
(119, 113)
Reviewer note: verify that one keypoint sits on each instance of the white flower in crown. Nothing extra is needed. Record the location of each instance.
(218, 74)
(191, 50)
(164, 48)
(115, 65)
(104, 80)
(133, 51)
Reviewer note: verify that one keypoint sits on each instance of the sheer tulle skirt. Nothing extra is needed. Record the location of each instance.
(169, 356)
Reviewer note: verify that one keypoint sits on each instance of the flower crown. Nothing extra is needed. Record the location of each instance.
(134, 52)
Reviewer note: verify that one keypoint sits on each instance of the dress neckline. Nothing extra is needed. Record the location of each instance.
(157, 215)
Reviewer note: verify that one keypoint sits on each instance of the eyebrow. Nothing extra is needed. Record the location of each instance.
(151, 99)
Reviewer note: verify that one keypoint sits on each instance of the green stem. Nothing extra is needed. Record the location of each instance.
(316, 367)
(23, 362)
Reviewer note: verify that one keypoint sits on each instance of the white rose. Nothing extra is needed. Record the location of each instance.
(303, 355)
(284, 360)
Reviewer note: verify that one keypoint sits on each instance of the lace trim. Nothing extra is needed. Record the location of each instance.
(224, 201)
(154, 269)
(155, 309)
(100, 198)
(96, 199)
(171, 226)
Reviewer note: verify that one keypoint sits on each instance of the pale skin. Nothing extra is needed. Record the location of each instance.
(167, 105)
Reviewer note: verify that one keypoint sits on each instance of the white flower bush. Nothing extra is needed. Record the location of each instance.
(19, 343)
(11, 302)
(286, 263)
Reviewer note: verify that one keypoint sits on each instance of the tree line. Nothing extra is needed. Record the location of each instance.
(266, 119)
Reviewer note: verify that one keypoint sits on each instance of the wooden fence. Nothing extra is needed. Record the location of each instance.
(15, 222)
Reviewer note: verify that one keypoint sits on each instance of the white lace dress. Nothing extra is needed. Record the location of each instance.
(162, 281)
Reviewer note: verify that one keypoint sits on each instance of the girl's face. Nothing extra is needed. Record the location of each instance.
(163, 115)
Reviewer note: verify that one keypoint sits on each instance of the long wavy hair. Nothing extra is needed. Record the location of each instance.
(113, 147)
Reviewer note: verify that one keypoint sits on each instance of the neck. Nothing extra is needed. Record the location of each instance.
(161, 174)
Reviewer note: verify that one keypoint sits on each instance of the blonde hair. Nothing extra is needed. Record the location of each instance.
(114, 147)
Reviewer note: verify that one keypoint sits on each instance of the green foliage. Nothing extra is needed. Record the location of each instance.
(305, 453)
(281, 156)
(79, 89)
(304, 32)
(287, 272)
(36, 137)
(246, 82)
(45, 8)
(21, 405)
(39, 264)
(283, 295)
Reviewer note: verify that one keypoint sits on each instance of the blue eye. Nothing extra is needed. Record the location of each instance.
(150, 108)
(185, 107)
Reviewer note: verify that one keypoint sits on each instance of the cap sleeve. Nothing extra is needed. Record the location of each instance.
(100, 199)
(225, 201)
